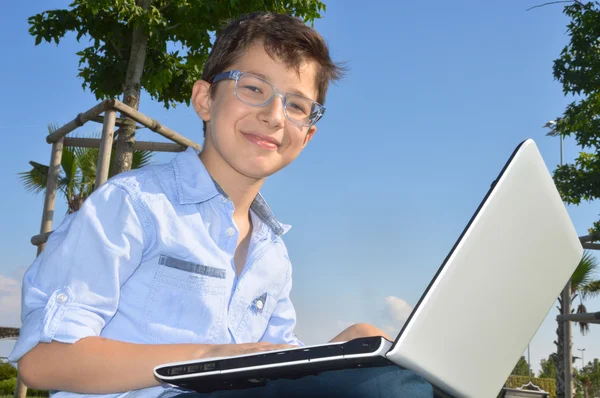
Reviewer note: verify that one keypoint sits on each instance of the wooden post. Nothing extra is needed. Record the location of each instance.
(590, 238)
(47, 217)
(79, 121)
(108, 132)
(591, 246)
(52, 184)
(588, 317)
(153, 124)
(20, 388)
(567, 357)
(138, 145)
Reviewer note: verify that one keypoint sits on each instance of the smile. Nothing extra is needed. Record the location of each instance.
(263, 142)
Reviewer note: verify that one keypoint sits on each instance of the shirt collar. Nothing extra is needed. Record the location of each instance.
(195, 185)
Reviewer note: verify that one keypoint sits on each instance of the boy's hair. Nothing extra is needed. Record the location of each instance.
(285, 38)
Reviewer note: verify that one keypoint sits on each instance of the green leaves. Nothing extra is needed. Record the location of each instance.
(588, 378)
(77, 176)
(35, 180)
(521, 368)
(579, 181)
(548, 367)
(584, 273)
(106, 27)
(578, 70)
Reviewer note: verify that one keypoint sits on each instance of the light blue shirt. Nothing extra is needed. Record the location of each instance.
(149, 259)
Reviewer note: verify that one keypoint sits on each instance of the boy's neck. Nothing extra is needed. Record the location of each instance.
(240, 189)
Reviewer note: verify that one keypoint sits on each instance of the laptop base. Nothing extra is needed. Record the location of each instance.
(260, 377)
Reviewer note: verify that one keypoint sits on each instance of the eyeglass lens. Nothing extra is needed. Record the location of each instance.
(257, 92)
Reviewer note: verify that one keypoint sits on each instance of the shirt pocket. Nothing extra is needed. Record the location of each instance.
(255, 319)
(186, 302)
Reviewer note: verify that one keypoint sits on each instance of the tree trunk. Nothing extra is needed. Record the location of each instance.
(567, 299)
(563, 348)
(131, 95)
(560, 368)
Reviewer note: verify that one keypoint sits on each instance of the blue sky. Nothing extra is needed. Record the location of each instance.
(437, 97)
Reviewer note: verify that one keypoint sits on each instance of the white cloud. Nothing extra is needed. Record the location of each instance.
(10, 301)
(317, 327)
(396, 311)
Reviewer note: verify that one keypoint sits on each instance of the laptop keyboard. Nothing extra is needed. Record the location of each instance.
(358, 346)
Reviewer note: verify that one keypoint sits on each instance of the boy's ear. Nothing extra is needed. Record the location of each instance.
(201, 99)
(309, 135)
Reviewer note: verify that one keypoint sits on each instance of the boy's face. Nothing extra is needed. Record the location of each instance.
(254, 141)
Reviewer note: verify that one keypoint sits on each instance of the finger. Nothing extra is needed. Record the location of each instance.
(269, 347)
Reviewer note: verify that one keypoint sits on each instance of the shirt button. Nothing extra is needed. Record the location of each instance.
(230, 231)
(259, 305)
(62, 298)
(223, 199)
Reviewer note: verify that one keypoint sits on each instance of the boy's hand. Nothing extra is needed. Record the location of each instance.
(360, 330)
(229, 350)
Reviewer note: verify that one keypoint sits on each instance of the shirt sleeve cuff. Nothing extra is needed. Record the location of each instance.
(61, 320)
(297, 342)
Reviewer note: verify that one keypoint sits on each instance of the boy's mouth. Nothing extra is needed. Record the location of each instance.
(262, 141)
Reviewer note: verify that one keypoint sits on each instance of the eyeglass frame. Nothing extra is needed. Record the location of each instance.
(235, 75)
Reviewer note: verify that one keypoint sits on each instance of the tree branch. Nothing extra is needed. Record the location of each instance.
(161, 9)
(116, 48)
(554, 2)
(172, 27)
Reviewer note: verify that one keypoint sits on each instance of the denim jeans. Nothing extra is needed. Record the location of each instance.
(378, 382)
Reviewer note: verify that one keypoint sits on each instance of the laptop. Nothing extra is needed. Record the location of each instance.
(476, 317)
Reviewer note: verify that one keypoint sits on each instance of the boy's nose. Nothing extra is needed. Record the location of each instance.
(273, 113)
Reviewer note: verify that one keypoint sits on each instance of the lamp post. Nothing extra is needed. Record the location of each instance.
(553, 133)
(566, 300)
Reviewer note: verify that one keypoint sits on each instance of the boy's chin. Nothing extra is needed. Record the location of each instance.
(258, 169)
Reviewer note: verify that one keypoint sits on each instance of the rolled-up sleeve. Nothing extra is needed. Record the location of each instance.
(283, 319)
(72, 289)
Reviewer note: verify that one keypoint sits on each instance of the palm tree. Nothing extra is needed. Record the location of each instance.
(583, 286)
(77, 176)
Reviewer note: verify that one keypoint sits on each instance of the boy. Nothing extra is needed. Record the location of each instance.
(185, 260)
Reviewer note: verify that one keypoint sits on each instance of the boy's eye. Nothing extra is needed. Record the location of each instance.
(296, 107)
(254, 89)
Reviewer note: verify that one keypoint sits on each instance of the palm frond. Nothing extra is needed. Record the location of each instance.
(590, 290)
(584, 272)
(584, 327)
(77, 177)
(52, 127)
(63, 183)
(69, 166)
(35, 180)
(87, 159)
(141, 159)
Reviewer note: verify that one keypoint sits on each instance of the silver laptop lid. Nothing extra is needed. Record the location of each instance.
(496, 286)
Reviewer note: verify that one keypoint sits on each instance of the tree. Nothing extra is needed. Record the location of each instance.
(521, 368)
(588, 379)
(578, 71)
(548, 367)
(77, 176)
(583, 286)
(156, 45)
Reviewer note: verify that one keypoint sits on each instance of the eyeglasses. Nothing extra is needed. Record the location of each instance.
(256, 91)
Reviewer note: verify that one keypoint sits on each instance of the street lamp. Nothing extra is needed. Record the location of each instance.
(553, 133)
